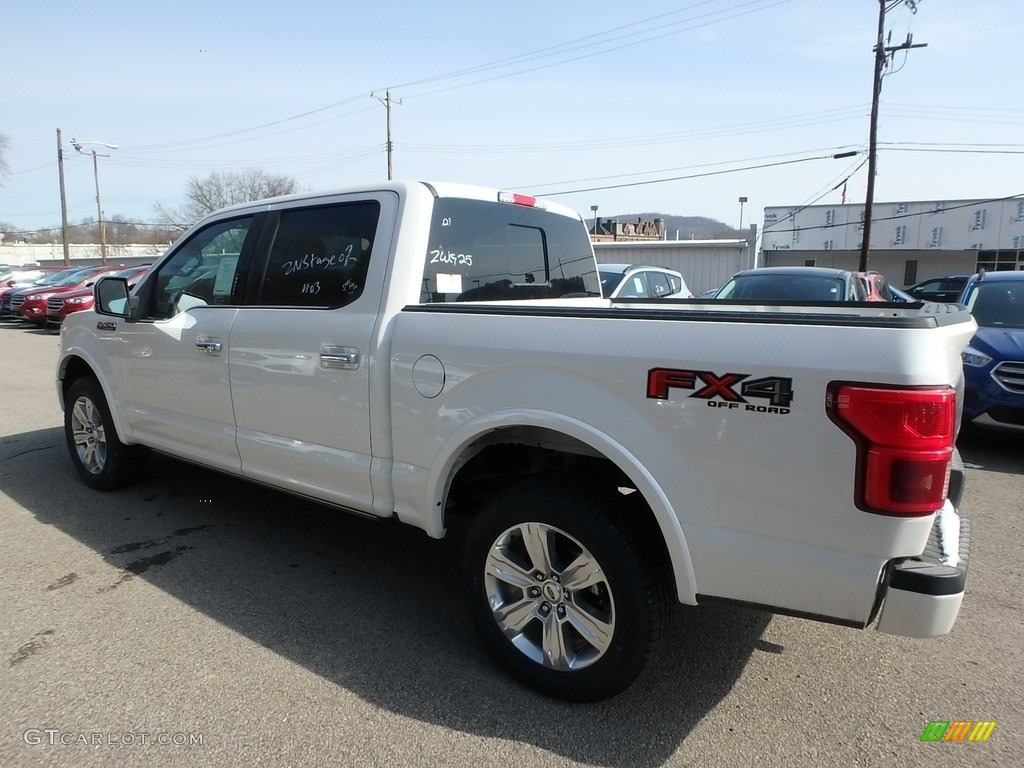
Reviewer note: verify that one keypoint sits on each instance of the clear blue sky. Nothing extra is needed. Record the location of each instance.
(541, 97)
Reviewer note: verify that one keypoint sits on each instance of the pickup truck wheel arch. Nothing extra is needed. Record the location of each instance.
(97, 453)
(562, 590)
(564, 448)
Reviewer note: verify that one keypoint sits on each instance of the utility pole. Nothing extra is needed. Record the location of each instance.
(882, 54)
(99, 208)
(63, 203)
(387, 101)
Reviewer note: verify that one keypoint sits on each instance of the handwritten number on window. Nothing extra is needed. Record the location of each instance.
(440, 256)
(310, 261)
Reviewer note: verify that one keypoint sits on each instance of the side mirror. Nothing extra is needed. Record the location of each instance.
(111, 298)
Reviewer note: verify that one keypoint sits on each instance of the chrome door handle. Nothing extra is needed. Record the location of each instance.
(209, 345)
(339, 358)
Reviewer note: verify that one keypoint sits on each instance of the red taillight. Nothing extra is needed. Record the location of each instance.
(905, 444)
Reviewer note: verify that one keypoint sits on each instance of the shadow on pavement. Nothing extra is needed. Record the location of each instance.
(374, 607)
(992, 449)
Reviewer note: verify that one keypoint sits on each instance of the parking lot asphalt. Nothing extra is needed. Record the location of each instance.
(194, 619)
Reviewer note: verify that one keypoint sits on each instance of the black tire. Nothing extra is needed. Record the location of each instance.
(570, 637)
(100, 458)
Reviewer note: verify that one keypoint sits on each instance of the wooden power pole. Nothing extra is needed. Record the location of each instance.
(876, 92)
(387, 101)
(63, 202)
(882, 54)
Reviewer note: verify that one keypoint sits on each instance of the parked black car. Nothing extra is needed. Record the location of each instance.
(946, 289)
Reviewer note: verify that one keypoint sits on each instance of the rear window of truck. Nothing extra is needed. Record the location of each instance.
(490, 251)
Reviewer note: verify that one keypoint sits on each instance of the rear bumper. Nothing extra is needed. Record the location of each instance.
(923, 593)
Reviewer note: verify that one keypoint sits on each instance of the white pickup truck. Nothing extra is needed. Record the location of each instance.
(417, 351)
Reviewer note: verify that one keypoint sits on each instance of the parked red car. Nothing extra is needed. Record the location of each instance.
(875, 286)
(30, 303)
(59, 306)
(48, 279)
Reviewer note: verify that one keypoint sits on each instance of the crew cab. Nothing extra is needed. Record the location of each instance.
(424, 352)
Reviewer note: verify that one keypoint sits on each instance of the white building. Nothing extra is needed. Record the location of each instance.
(704, 264)
(49, 254)
(910, 241)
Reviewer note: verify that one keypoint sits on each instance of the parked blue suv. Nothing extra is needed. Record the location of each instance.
(994, 360)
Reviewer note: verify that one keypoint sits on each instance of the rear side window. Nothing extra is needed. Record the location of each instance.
(635, 287)
(659, 284)
(320, 256)
(491, 251)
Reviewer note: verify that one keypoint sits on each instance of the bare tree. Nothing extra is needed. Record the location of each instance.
(5, 146)
(208, 194)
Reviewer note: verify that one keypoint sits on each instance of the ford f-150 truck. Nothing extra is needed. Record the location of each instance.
(418, 352)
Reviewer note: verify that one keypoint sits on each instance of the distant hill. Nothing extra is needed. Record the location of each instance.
(689, 227)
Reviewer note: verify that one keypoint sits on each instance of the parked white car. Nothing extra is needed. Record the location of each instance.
(637, 281)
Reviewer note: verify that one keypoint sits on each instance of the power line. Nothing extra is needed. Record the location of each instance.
(960, 151)
(606, 50)
(198, 147)
(714, 132)
(895, 217)
(186, 142)
(561, 49)
(689, 176)
(833, 150)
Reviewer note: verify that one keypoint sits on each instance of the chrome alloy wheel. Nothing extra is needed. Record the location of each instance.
(89, 435)
(549, 596)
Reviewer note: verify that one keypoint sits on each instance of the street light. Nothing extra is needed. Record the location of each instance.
(77, 145)
(742, 201)
(594, 209)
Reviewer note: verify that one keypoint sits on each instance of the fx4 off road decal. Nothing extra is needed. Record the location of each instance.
(729, 390)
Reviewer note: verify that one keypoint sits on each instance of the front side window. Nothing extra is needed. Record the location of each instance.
(202, 272)
(320, 256)
(490, 251)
